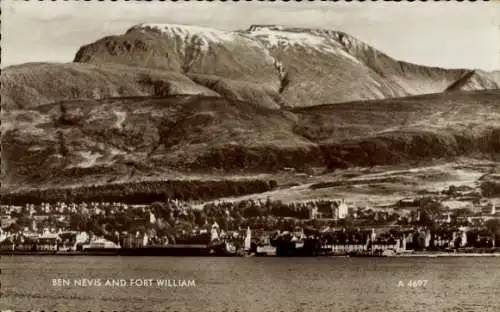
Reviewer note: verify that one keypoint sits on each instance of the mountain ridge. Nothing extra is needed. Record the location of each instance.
(291, 61)
(273, 65)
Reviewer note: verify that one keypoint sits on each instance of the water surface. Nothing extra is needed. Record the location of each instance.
(254, 284)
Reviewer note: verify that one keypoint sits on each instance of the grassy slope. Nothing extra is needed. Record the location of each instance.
(33, 84)
(395, 130)
(133, 138)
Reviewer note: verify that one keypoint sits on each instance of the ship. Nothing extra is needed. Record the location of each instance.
(100, 247)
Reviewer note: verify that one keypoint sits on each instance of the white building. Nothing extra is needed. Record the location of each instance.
(342, 210)
(214, 234)
(3, 235)
(152, 218)
(313, 212)
(81, 237)
(463, 242)
(248, 239)
(427, 239)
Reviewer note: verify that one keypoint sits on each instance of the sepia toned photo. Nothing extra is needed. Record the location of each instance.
(250, 156)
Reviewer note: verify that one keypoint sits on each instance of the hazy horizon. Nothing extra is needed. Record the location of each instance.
(433, 34)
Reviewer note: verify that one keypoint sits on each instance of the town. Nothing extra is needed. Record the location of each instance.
(456, 219)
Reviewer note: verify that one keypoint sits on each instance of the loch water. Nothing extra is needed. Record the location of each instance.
(250, 284)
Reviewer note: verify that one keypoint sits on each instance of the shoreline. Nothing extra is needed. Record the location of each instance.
(445, 254)
(114, 253)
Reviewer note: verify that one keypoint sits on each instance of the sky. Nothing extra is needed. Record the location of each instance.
(445, 34)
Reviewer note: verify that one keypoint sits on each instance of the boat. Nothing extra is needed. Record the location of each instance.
(265, 250)
(100, 246)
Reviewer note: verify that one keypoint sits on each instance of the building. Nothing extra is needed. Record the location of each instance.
(342, 209)
(248, 240)
(313, 212)
(3, 235)
(214, 233)
(24, 243)
(444, 218)
(6, 221)
(47, 244)
(7, 245)
(152, 218)
(134, 241)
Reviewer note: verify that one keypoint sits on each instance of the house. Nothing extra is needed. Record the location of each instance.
(7, 245)
(408, 202)
(456, 204)
(6, 221)
(68, 241)
(133, 241)
(25, 243)
(313, 212)
(444, 218)
(40, 217)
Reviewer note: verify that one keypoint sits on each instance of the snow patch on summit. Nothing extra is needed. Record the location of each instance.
(285, 39)
(203, 34)
(278, 37)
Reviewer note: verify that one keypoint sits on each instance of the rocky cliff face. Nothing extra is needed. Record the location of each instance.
(186, 49)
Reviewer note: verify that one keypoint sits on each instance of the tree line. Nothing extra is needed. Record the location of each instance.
(138, 193)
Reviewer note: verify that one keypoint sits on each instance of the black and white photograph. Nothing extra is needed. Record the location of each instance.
(250, 156)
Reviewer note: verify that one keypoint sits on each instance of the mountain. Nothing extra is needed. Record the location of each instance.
(271, 66)
(186, 49)
(135, 138)
(306, 66)
(175, 101)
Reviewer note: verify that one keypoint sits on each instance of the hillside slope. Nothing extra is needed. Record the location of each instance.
(132, 138)
(34, 84)
(474, 80)
(307, 66)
